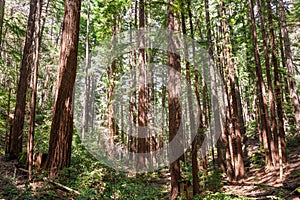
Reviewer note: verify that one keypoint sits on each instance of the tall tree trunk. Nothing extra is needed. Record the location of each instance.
(281, 142)
(277, 85)
(37, 39)
(273, 138)
(235, 138)
(289, 65)
(175, 110)
(226, 133)
(211, 55)
(132, 106)
(27, 61)
(142, 92)
(195, 169)
(265, 129)
(87, 79)
(62, 122)
(221, 141)
(111, 77)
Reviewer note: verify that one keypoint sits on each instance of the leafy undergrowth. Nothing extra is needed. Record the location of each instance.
(89, 179)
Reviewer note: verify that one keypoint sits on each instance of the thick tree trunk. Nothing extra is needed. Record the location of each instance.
(235, 138)
(175, 110)
(62, 122)
(27, 61)
(227, 131)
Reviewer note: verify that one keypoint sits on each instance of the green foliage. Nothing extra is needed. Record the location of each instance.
(251, 129)
(8, 189)
(95, 181)
(258, 159)
(22, 158)
(293, 142)
(212, 179)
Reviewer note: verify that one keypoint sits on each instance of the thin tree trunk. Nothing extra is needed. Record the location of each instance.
(142, 92)
(132, 107)
(111, 77)
(221, 142)
(289, 65)
(27, 61)
(281, 142)
(277, 85)
(8, 121)
(37, 39)
(226, 139)
(210, 52)
(62, 122)
(195, 169)
(85, 122)
(2, 10)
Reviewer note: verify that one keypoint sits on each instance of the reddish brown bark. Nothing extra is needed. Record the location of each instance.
(273, 139)
(277, 85)
(284, 60)
(62, 122)
(142, 93)
(37, 38)
(265, 128)
(175, 109)
(288, 61)
(27, 61)
(195, 169)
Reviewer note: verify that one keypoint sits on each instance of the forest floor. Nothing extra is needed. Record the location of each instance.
(263, 183)
(260, 183)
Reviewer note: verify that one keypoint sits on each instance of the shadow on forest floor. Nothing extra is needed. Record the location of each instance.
(263, 183)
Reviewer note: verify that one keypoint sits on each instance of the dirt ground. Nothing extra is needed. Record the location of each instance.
(262, 183)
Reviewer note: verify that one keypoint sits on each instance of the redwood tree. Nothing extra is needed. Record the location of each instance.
(37, 40)
(175, 109)
(62, 121)
(142, 101)
(264, 124)
(27, 61)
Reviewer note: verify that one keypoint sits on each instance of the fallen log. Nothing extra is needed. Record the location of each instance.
(61, 186)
